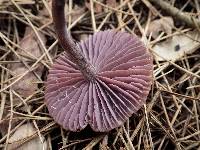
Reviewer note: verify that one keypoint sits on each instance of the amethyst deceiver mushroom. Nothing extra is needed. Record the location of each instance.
(98, 82)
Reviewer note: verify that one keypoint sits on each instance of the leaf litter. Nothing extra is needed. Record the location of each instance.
(164, 24)
(177, 46)
(22, 134)
(169, 120)
(29, 47)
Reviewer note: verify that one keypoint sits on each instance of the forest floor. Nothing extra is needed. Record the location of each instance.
(28, 47)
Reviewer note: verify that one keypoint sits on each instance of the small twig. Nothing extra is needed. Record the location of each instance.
(94, 142)
(176, 13)
(93, 16)
(148, 127)
(177, 94)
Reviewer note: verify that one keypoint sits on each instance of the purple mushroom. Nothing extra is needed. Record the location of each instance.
(98, 82)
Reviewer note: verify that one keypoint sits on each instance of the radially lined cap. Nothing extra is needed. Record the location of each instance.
(122, 82)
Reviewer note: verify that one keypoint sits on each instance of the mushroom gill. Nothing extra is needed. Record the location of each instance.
(122, 80)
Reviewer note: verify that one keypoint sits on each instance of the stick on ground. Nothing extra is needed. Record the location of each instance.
(176, 13)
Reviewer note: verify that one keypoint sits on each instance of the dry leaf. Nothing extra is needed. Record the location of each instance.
(4, 123)
(19, 140)
(176, 47)
(164, 24)
(76, 12)
(44, 15)
(97, 8)
(30, 44)
(28, 84)
(111, 3)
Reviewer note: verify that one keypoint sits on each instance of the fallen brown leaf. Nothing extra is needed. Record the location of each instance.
(176, 47)
(31, 48)
(28, 84)
(30, 45)
(164, 24)
(111, 3)
(18, 141)
(77, 12)
(97, 8)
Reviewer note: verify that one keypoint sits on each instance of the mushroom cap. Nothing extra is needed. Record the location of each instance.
(122, 82)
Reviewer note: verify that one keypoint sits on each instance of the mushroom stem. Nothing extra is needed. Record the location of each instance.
(67, 42)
